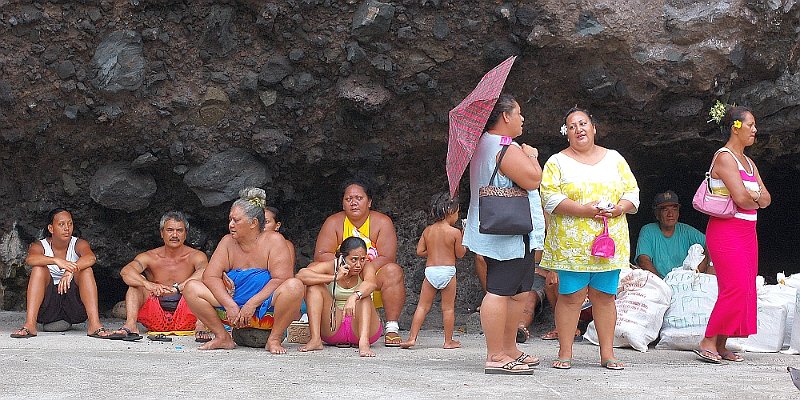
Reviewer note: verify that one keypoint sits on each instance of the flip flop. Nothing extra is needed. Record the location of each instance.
(128, 336)
(159, 338)
(97, 334)
(552, 335)
(26, 335)
(562, 363)
(199, 339)
(508, 369)
(708, 356)
(612, 364)
(521, 359)
(392, 339)
(731, 356)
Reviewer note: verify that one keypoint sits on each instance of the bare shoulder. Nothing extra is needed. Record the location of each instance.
(335, 219)
(380, 219)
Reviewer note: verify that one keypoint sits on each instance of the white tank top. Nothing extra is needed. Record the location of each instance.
(55, 272)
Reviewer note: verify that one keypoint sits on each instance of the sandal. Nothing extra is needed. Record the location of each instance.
(160, 337)
(562, 363)
(509, 368)
(708, 356)
(27, 334)
(533, 360)
(612, 364)
(126, 335)
(552, 335)
(731, 356)
(392, 339)
(202, 336)
(522, 334)
(98, 334)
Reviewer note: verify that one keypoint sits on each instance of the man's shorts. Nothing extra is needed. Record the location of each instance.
(57, 307)
(570, 282)
(156, 319)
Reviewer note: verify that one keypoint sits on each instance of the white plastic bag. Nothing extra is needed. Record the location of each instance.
(782, 295)
(694, 257)
(642, 300)
(693, 297)
(771, 330)
(794, 344)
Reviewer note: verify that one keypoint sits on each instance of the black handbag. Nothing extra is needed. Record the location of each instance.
(503, 211)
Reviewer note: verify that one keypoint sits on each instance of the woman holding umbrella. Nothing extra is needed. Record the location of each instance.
(509, 258)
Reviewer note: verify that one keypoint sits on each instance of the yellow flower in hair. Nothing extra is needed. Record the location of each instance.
(737, 124)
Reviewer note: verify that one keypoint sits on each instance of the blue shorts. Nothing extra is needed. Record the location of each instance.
(570, 282)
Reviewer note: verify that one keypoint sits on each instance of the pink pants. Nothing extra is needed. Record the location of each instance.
(345, 333)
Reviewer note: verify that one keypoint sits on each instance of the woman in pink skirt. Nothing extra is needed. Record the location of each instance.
(732, 243)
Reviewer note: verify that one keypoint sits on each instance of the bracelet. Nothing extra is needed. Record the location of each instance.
(358, 294)
(757, 197)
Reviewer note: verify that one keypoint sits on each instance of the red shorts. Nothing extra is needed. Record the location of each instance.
(155, 319)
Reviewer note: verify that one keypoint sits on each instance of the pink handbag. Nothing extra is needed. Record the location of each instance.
(715, 205)
(604, 245)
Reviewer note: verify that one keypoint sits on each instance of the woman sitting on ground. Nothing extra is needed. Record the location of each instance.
(346, 281)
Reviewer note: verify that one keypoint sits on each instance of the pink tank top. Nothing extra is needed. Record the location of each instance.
(750, 183)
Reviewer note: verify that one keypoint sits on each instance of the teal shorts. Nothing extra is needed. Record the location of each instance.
(570, 282)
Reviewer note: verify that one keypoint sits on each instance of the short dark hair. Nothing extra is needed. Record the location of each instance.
(442, 205)
(578, 109)
(51, 215)
(359, 182)
(350, 244)
(505, 103)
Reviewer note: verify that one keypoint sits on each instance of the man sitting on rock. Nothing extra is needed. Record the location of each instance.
(61, 289)
(663, 245)
(377, 230)
(156, 279)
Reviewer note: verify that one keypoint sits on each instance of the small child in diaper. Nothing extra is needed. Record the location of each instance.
(441, 245)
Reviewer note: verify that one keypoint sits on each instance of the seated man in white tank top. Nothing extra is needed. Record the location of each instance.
(62, 285)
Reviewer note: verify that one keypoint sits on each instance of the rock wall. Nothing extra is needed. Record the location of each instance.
(121, 110)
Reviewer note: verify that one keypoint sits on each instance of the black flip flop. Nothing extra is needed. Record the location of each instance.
(159, 338)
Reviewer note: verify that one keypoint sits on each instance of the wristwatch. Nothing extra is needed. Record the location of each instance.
(176, 287)
(358, 294)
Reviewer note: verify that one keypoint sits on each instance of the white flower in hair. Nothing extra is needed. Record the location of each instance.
(564, 130)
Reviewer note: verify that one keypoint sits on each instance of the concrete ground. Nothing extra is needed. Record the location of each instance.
(72, 365)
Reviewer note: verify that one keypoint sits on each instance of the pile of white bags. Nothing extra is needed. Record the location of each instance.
(794, 316)
(642, 300)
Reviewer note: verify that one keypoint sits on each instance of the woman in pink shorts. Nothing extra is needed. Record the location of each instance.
(340, 308)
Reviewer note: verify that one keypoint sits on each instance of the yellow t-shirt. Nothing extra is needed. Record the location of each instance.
(569, 239)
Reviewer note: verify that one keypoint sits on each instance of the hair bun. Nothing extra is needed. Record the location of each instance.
(255, 196)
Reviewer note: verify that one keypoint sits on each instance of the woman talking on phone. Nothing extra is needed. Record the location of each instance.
(340, 309)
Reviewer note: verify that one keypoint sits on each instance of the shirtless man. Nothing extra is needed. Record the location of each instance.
(378, 232)
(259, 266)
(58, 261)
(156, 279)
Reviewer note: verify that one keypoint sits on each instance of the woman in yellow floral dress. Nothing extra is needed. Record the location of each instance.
(581, 185)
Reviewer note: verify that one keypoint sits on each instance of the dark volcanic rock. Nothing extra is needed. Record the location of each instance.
(276, 68)
(372, 18)
(119, 60)
(365, 96)
(119, 187)
(224, 174)
(219, 38)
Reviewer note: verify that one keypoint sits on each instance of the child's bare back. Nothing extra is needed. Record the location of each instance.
(441, 244)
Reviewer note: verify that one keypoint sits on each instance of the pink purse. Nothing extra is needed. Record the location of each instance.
(604, 245)
(715, 205)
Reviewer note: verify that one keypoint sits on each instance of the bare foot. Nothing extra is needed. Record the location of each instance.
(311, 346)
(453, 344)
(224, 342)
(274, 346)
(365, 351)
(408, 344)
